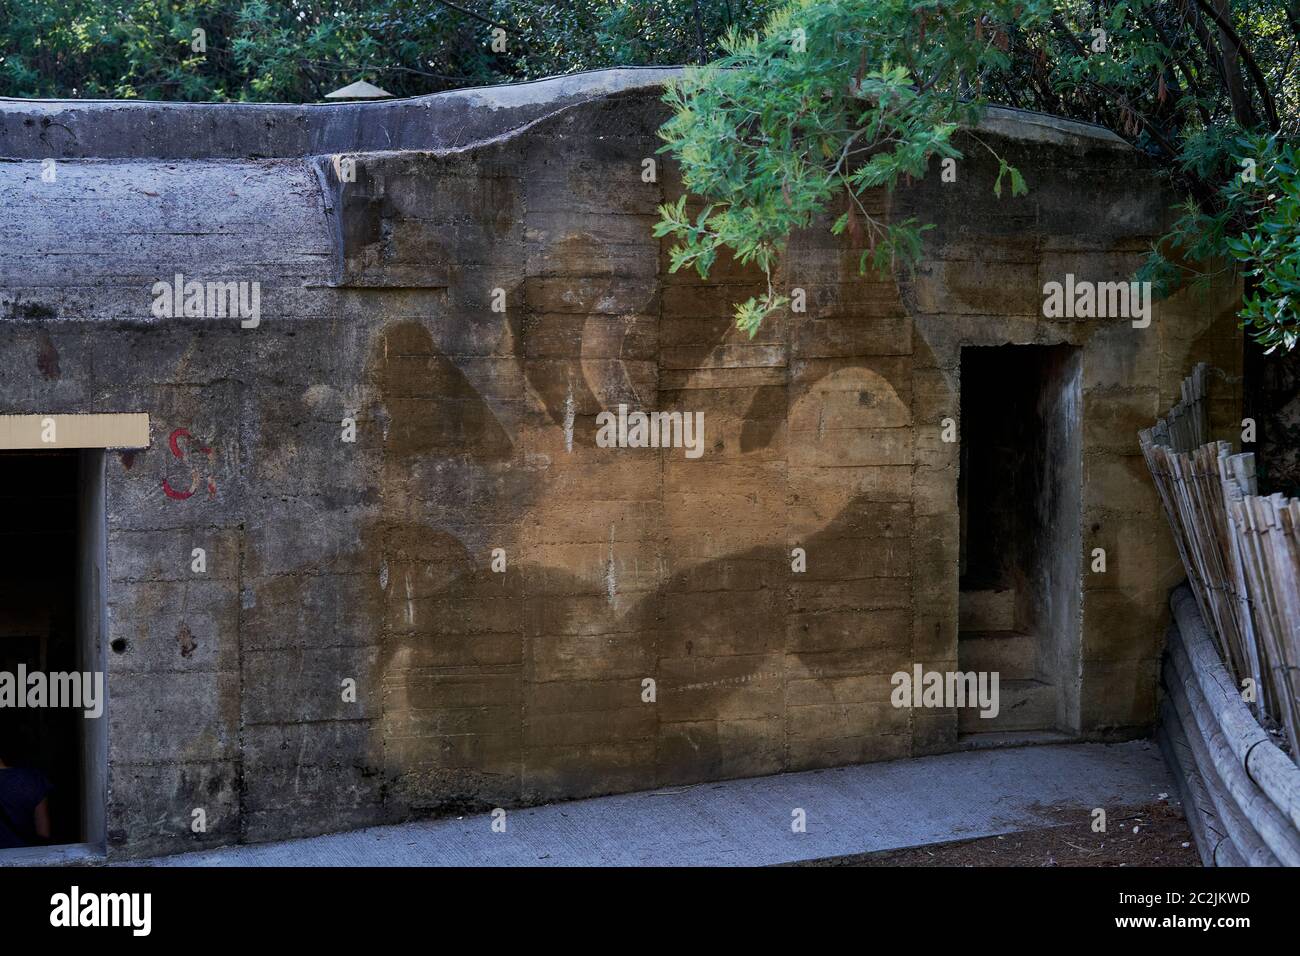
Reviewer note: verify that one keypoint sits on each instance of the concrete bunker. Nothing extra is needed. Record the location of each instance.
(371, 561)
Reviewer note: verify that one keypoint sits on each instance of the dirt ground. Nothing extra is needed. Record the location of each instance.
(1152, 835)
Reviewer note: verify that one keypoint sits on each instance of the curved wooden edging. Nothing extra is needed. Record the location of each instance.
(1212, 841)
(1264, 762)
(1253, 788)
(1239, 805)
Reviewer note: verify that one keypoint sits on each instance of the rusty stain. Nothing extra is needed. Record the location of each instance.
(185, 638)
(47, 357)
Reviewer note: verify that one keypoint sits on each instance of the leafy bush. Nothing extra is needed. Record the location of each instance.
(835, 98)
(776, 132)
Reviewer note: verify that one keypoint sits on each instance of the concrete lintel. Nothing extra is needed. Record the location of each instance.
(51, 432)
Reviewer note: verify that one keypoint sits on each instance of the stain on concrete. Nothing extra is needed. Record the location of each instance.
(432, 407)
(47, 357)
(185, 640)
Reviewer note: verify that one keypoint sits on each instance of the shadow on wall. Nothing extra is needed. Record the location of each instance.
(526, 685)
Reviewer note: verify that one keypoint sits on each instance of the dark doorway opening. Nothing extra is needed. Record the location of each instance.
(50, 577)
(1020, 501)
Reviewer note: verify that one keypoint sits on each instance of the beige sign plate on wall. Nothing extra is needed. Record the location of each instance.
(74, 431)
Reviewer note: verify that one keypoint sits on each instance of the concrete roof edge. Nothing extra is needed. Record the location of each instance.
(454, 119)
(1034, 126)
(601, 82)
(450, 120)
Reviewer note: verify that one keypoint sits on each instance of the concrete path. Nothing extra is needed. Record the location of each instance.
(849, 810)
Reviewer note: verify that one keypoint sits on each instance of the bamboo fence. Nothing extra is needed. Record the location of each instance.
(1241, 551)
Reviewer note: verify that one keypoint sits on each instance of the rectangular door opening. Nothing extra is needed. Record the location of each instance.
(1019, 494)
(51, 577)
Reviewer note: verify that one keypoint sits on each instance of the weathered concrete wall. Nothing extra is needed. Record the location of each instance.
(329, 560)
